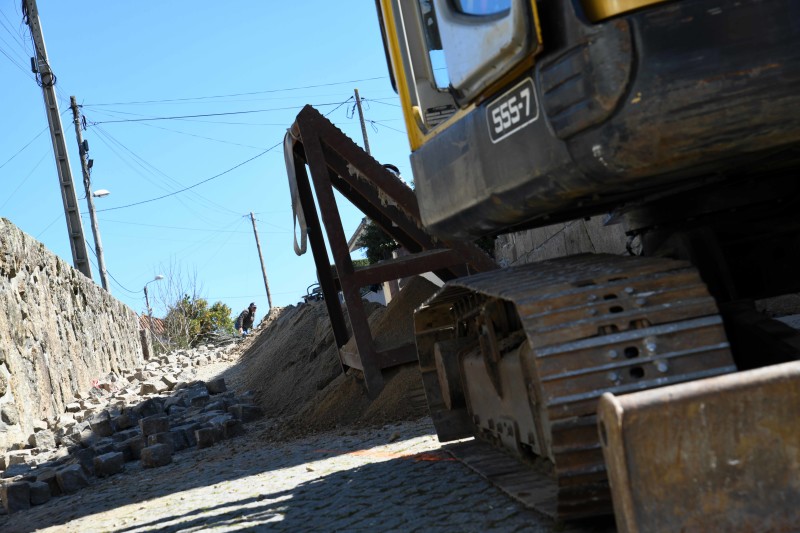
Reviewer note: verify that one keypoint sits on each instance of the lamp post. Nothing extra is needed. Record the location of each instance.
(147, 302)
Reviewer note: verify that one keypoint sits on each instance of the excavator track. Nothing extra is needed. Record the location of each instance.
(520, 357)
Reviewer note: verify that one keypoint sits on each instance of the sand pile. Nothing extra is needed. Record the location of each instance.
(292, 365)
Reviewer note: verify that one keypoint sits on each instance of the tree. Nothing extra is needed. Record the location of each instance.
(188, 319)
(378, 244)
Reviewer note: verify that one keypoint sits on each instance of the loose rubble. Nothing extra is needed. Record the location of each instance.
(146, 416)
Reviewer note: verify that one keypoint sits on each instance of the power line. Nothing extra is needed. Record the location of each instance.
(178, 117)
(238, 94)
(28, 144)
(378, 101)
(215, 122)
(279, 143)
(154, 170)
(105, 220)
(377, 123)
(10, 196)
(196, 184)
(120, 285)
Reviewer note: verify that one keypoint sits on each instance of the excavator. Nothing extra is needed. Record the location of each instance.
(646, 385)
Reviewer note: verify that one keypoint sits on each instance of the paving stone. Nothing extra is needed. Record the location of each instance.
(17, 457)
(199, 400)
(39, 492)
(219, 419)
(169, 380)
(232, 428)
(135, 445)
(152, 387)
(207, 437)
(245, 412)
(101, 424)
(17, 470)
(176, 410)
(154, 424)
(165, 438)
(187, 431)
(49, 476)
(16, 496)
(216, 386)
(124, 421)
(176, 400)
(44, 439)
(109, 464)
(66, 420)
(88, 438)
(215, 406)
(149, 407)
(71, 479)
(156, 455)
(9, 414)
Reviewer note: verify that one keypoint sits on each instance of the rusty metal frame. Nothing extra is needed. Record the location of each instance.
(335, 162)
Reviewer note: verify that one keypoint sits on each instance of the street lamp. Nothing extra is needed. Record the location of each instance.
(147, 301)
(99, 193)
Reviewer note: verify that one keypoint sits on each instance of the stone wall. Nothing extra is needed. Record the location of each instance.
(557, 240)
(58, 332)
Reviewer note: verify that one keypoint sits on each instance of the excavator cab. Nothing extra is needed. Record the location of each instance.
(523, 113)
(681, 118)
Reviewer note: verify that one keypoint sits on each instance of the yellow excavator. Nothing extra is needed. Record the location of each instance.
(649, 385)
(650, 380)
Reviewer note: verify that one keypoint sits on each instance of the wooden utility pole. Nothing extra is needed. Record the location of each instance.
(363, 125)
(84, 155)
(48, 81)
(261, 258)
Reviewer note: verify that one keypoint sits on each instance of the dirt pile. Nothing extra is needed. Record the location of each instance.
(292, 365)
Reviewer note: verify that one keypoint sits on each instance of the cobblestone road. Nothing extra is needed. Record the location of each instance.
(391, 479)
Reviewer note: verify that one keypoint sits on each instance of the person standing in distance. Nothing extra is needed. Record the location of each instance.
(246, 318)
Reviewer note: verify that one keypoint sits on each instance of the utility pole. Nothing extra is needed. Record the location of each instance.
(261, 258)
(48, 81)
(363, 125)
(84, 155)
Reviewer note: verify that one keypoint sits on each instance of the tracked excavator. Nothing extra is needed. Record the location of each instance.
(646, 385)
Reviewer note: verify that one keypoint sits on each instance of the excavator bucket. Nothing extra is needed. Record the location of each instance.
(717, 454)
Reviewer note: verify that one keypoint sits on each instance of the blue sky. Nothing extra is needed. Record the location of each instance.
(128, 60)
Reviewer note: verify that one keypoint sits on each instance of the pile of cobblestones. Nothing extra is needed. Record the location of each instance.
(145, 416)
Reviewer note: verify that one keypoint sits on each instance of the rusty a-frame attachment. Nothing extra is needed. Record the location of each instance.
(336, 162)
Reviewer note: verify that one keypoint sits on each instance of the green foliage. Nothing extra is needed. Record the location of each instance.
(378, 244)
(190, 321)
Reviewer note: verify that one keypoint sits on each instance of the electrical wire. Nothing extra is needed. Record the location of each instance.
(107, 220)
(228, 113)
(221, 246)
(48, 226)
(378, 101)
(109, 112)
(238, 94)
(154, 170)
(120, 285)
(15, 61)
(10, 196)
(279, 143)
(196, 184)
(26, 145)
(376, 123)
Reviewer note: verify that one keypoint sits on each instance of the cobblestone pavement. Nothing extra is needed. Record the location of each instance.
(391, 479)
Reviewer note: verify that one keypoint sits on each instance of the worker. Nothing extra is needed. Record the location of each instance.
(246, 318)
